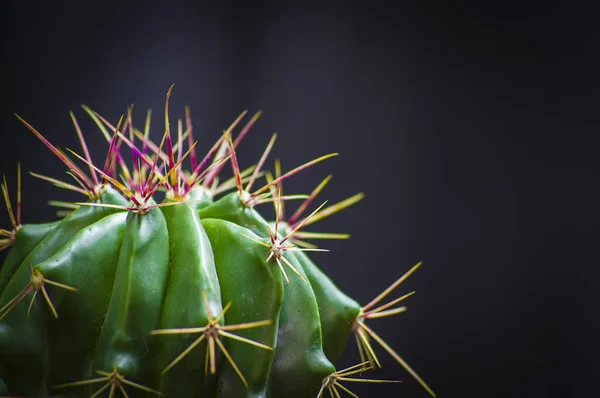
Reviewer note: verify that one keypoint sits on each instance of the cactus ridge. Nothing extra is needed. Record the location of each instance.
(167, 281)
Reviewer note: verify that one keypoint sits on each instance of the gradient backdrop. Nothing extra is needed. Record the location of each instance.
(471, 131)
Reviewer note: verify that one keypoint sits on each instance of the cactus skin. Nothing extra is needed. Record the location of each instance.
(27, 238)
(257, 289)
(196, 295)
(337, 311)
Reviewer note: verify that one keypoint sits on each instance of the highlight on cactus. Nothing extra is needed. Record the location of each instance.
(164, 279)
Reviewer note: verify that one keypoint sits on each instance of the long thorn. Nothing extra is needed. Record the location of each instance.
(101, 390)
(249, 325)
(230, 183)
(66, 205)
(336, 393)
(11, 213)
(61, 285)
(60, 184)
(123, 391)
(84, 147)
(146, 131)
(178, 331)
(184, 353)
(112, 149)
(302, 223)
(107, 205)
(345, 389)
(282, 270)
(231, 361)
(391, 303)
(351, 369)
(149, 144)
(80, 383)
(361, 351)
(368, 348)
(397, 357)
(261, 162)
(245, 340)
(188, 126)
(97, 121)
(179, 144)
(279, 186)
(320, 235)
(80, 183)
(222, 150)
(213, 355)
(169, 143)
(124, 190)
(18, 193)
(193, 180)
(309, 200)
(337, 207)
(139, 386)
(320, 393)
(285, 260)
(246, 128)
(49, 302)
(57, 153)
(279, 199)
(256, 240)
(221, 314)
(277, 207)
(304, 249)
(383, 314)
(15, 300)
(154, 169)
(206, 305)
(392, 287)
(294, 171)
(367, 380)
(234, 163)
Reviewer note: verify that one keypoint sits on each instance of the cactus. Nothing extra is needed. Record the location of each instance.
(168, 281)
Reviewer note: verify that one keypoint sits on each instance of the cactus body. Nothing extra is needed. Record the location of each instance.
(186, 296)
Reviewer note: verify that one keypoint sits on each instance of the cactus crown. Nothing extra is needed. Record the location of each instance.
(192, 295)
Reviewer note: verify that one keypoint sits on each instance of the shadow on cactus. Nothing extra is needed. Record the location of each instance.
(167, 281)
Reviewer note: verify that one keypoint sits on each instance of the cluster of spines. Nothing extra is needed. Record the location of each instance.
(9, 236)
(148, 176)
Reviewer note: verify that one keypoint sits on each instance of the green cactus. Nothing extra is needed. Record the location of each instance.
(192, 295)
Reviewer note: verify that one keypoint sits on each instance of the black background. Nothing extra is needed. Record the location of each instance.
(471, 131)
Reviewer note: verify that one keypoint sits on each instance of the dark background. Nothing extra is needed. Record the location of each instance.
(472, 132)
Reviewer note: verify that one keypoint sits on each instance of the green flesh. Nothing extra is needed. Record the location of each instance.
(230, 208)
(192, 272)
(255, 290)
(23, 360)
(28, 236)
(89, 266)
(336, 310)
(135, 305)
(300, 364)
(199, 197)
